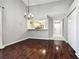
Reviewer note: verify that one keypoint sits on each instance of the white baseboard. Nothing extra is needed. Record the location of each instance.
(39, 38)
(77, 55)
(3, 46)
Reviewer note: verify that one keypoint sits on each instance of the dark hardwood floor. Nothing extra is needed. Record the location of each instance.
(38, 49)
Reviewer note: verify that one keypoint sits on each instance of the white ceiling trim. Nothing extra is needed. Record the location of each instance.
(37, 2)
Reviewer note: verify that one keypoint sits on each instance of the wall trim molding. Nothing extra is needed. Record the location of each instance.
(39, 38)
(3, 46)
(77, 55)
(71, 9)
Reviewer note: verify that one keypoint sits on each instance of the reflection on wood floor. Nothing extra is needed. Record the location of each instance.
(38, 49)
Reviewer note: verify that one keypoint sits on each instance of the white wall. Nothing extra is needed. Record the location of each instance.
(65, 28)
(1, 42)
(50, 26)
(77, 42)
(14, 27)
(38, 34)
(77, 17)
(0, 26)
(0, 2)
(41, 11)
(72, 29)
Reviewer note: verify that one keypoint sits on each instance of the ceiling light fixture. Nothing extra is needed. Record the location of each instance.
(29, 15)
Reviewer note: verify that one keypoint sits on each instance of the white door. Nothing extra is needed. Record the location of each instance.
(57, 28)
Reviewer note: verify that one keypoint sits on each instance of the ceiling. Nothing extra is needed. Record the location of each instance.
(37, 2)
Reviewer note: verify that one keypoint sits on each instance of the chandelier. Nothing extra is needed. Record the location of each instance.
(28, 15)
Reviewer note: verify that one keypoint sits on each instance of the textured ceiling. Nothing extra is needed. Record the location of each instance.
(37, 2)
